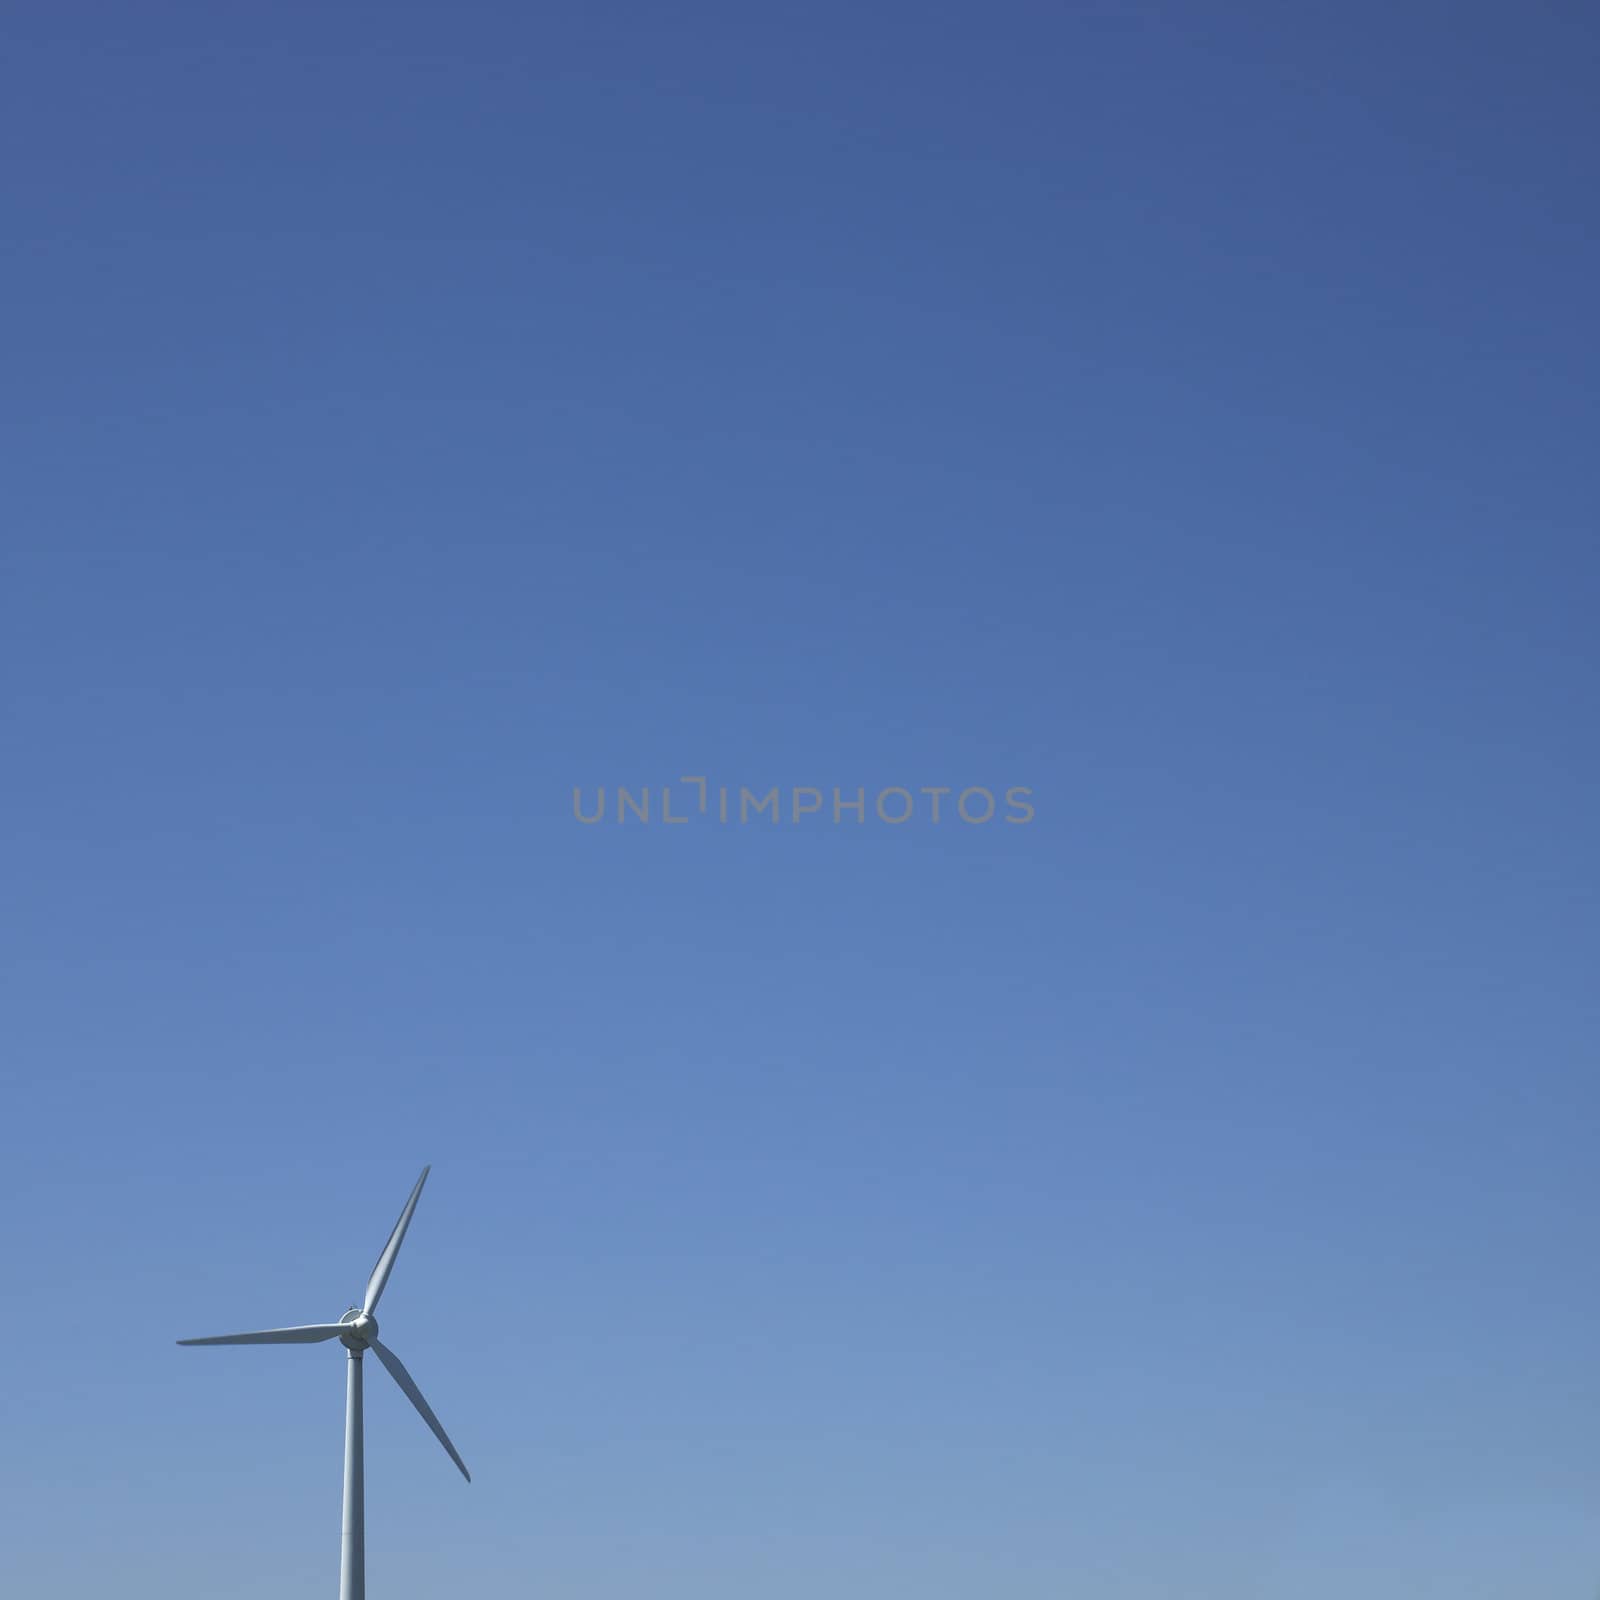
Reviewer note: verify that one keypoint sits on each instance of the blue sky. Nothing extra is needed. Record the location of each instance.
(1186, 413)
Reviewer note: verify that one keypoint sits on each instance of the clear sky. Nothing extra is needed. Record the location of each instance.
(1183, 411)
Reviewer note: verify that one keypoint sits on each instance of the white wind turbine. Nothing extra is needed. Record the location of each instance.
(357, 1331)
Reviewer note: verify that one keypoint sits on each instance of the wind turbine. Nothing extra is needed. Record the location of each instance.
(357, 1331)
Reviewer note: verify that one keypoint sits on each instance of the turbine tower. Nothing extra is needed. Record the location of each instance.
(357, 1331)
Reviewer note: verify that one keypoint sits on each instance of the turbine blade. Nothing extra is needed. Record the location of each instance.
(312, 1333)
(380, 1273)
(412, 1393)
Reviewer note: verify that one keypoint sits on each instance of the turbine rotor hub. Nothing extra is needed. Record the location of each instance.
(363, 1329)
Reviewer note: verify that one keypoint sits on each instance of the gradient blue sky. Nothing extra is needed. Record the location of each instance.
(1185, 411)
